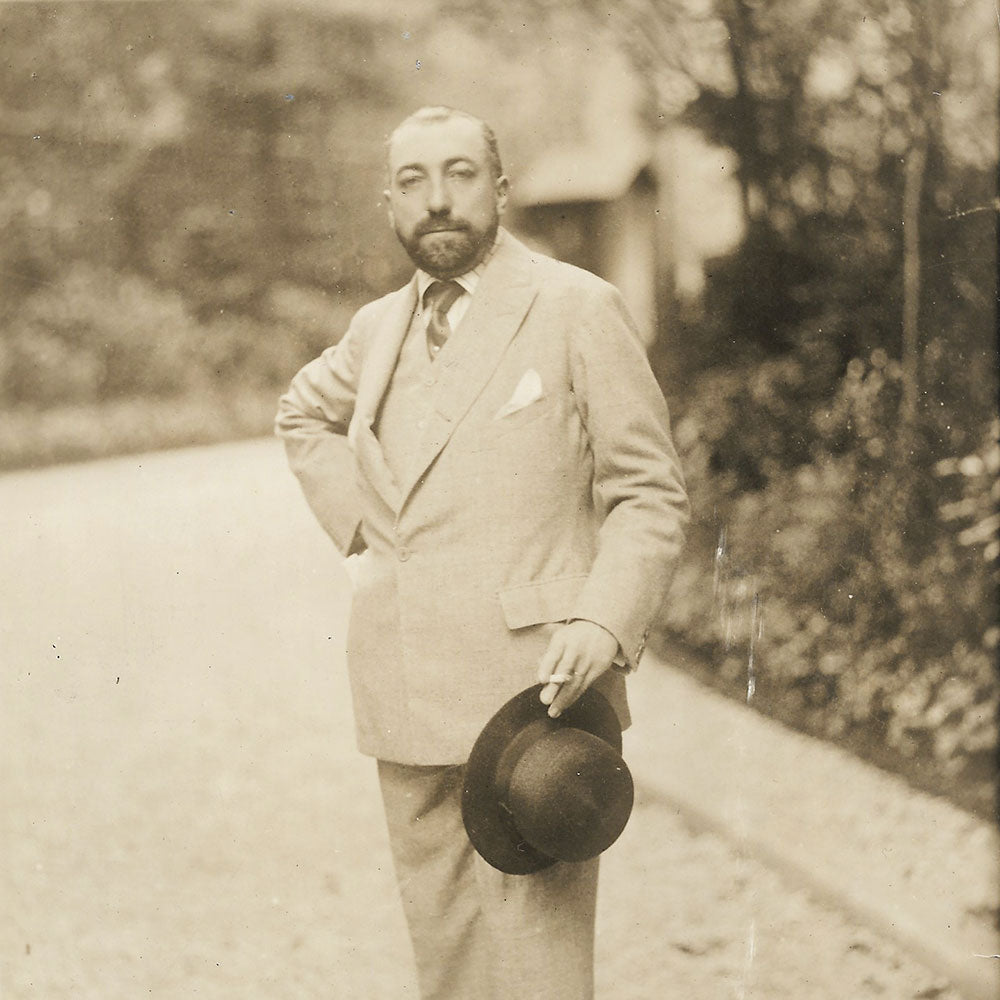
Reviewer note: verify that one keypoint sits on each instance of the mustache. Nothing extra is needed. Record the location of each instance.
(440, 225)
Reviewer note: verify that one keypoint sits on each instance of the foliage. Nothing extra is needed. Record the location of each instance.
(173, 221)
(189, 144)
(867, 620)
(853, 542)
(98, 334)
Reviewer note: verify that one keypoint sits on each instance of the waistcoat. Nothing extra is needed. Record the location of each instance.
(405, 406)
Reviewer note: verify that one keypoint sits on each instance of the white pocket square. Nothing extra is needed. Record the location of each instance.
(528, 391)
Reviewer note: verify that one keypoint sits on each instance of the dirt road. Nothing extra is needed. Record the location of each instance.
(183, 810)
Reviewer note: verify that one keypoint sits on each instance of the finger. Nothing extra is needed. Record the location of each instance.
(550, 659)
(566, 671)
(568, 693)
(549, 693)
(560, 676)
(565, 696)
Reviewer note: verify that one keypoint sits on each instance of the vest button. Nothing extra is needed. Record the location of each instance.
(403, 553)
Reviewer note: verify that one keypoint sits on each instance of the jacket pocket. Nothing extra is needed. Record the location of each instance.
(503, 432)
(524, 415)
(542, 601)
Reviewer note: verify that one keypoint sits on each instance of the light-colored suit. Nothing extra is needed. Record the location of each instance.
(544, 487)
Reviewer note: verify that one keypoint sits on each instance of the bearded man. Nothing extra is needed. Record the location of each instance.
(515, 505)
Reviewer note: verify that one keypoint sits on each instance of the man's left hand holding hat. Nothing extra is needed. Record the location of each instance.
(577, 654)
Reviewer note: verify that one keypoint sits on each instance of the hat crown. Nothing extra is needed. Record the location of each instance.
(570, 795)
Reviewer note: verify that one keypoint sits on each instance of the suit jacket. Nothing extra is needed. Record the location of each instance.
(515, 518)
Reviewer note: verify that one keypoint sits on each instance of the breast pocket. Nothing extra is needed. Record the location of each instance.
(521, 418)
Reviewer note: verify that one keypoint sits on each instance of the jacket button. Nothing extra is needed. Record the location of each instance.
(404, 554)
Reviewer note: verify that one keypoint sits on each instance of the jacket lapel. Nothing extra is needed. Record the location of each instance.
(506, 291)
(375, 376)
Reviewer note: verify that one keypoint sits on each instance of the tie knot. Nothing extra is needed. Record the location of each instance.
(441, 295)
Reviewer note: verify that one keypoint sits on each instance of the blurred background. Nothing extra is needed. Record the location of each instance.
(799, 200)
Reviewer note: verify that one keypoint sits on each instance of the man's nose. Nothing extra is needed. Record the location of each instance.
(438, 197)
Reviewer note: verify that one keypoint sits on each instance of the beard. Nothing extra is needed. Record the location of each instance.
(447, 248)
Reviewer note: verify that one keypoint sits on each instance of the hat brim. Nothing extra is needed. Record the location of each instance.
(488, 826)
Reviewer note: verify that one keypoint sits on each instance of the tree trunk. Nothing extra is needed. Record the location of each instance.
(913, 184)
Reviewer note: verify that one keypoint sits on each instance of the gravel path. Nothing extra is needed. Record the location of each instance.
(710, 923)
(922, 872)
(184, 814)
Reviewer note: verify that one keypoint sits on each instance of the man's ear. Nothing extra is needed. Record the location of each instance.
(388, 209)
(502, 190)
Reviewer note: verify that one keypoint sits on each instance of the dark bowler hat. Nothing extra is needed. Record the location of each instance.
(540, 790)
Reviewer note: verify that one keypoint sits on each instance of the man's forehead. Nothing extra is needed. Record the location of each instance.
(431, 143)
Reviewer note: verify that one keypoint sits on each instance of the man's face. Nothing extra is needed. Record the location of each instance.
(443, 202)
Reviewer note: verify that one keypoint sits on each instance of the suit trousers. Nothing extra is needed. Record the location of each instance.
(477, 933)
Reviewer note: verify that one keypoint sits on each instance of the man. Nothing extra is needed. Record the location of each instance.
(514, 501)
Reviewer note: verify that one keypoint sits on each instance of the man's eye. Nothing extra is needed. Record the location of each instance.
(462, 174)
(408, 182)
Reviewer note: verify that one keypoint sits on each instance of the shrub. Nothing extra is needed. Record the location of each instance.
(96, 335)
(854, 594)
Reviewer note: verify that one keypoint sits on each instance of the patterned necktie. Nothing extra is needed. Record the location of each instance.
(439, 298)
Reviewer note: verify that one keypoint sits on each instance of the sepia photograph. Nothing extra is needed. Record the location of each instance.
(499, 500)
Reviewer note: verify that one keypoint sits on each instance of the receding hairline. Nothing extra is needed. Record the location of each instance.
(436, 114)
